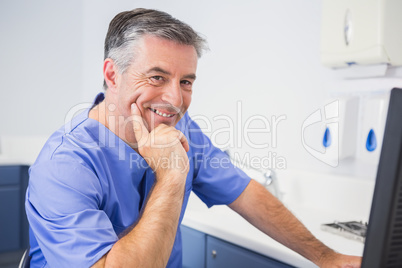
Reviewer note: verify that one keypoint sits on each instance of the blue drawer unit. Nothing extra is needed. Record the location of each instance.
(204, 251)
(193, 248)
(221, 254)
(13, 221)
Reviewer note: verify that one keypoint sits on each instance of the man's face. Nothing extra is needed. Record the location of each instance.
(159, 81)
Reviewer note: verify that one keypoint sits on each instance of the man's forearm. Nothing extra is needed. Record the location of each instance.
(268, 214)
(150, 241)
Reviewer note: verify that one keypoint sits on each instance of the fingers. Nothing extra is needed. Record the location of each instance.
(184, 142)
(173, 135)
(140, 130)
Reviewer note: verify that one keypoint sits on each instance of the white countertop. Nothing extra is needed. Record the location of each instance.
(223, 223)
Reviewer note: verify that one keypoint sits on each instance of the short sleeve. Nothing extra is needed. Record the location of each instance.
(62, 207)
(217, 181)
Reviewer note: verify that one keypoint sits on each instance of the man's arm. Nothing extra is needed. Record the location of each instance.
(150, 240)
(258, 206)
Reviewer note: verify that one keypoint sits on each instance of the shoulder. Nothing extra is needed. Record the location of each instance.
(73, 143)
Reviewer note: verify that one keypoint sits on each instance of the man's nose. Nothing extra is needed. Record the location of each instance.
(173, 94)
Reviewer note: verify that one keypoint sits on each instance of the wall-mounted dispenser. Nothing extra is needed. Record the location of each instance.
(329, 134)
(361, 32)
(374, 113)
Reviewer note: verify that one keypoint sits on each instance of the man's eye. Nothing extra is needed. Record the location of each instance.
(157, 78)
(186, 82)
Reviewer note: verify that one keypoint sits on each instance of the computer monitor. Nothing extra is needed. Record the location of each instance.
(383, 246)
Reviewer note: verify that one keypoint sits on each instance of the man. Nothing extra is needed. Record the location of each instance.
(110, 189)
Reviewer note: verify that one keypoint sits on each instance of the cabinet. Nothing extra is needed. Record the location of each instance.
(201, 250)
(13, 221)
(194, 244)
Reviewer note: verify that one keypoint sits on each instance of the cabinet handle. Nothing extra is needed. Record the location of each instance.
(213, 253)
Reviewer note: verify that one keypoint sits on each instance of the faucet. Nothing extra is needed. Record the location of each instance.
(271, 183)
(270, 180)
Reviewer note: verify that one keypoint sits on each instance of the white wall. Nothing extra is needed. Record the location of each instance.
(41, 69)
(263, 55)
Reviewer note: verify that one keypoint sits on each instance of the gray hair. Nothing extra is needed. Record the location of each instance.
(128, 27)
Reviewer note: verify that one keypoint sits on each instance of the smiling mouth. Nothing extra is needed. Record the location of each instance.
(161, 114)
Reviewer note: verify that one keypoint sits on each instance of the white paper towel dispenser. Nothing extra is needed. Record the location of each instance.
(361, 32)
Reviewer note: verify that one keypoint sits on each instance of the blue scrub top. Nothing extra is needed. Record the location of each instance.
(87, 186)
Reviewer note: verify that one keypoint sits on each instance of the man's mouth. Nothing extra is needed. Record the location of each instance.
(161, 113)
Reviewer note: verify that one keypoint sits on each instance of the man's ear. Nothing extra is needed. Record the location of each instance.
(110, 74)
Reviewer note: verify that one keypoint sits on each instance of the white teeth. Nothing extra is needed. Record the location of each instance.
(161, 114)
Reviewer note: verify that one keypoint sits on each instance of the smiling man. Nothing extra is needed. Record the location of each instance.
(112, 190)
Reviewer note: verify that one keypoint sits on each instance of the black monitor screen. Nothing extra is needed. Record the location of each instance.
(383, 247)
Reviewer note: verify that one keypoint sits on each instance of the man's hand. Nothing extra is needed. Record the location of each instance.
(340, 261)
(164, 148)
